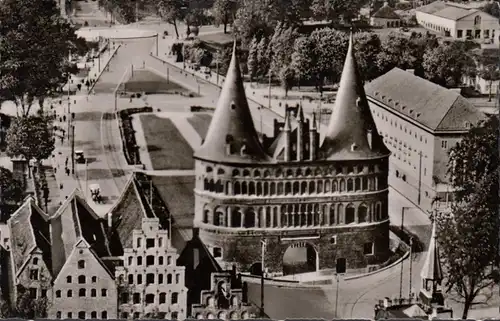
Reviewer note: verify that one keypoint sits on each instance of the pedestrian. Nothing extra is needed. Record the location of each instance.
(64, 118)
(67, 171)
(62, 139)
(61, 186)
(66, 161)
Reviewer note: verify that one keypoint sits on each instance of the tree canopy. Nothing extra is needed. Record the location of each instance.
(171, 11)
(468, 234)
(31, 136)
(11, 189)
(35, 42)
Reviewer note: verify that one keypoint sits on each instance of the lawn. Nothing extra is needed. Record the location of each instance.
(200, 123)
(151, 83)
(166, 146)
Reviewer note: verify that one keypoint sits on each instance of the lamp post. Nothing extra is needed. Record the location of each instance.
(269, 89)
(402, 261)
(411, 263)
(419, 177)
(262, 265)
(337, 294)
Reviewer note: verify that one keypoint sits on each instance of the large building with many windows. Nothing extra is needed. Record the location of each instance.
(459, 21)
(317, 204)
(150, 283)
(419, 122)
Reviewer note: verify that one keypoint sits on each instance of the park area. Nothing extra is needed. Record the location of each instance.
(200, 123)
(151, 83)
(167, 147)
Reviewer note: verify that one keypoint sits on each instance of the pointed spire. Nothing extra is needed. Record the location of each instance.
(313, 125)
(432, 267)
(300, 112)
(287, 126)
(347, 134)
(232, 124)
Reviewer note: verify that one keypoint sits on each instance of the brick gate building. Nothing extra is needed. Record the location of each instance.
(328, 199)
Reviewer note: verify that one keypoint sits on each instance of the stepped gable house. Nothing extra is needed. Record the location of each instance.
(321, 202)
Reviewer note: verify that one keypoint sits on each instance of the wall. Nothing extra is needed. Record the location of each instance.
(383, 22)
(37, 277)
(487, 23)
(348, 244)
(150, 278)
(436, 23)
(411, 164)
(97, 279)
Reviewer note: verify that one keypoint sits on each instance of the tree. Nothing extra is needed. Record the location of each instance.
(303, 58)
(492, 9)
(367, 47)
(487, 68)
(11, 190)
(252, 62)
(35, 45)
(472, 223)
(31, 136)
(395, 53)
(262, 57)
(287, 78)
(281, 47)
(25, 307)
(171, 12)
(445, 64)
(333, 10)
(224, 11)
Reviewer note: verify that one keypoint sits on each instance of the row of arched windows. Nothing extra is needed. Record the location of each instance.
(251, 188)
(295, 215)
(303, 171)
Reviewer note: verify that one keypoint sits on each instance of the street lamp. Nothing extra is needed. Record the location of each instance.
(263, 244)
(402, 261)
(411, 263)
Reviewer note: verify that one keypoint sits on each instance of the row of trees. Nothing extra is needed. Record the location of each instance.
(319, 57)
(36, 44)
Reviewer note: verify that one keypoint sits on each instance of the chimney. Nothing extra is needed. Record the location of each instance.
(387, 302)
(196, 232)
(411, 71)
(369, 136)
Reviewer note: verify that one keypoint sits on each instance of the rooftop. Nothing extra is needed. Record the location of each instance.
(433, 106)
(386, 12)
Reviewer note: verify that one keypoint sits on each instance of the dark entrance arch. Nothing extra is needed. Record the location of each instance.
(300, 257)
(256, 269)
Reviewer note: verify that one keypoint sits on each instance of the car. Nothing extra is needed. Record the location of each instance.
(205, 70)
(79, 156)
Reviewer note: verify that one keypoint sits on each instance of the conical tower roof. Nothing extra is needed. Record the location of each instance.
(347, 136)
(432, 267)
(231, 136)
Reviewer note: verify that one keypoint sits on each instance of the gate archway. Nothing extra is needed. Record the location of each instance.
(300, 257)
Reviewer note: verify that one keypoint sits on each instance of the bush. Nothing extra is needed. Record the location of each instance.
(128, 133)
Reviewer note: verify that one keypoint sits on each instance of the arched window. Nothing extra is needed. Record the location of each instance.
(219, 187)
(236, 172)
(327, 186)
(93, 315)
(296, 188)
(289, 173)
(350, 214)
(303, 188)
(246, 172)
(350, 186)
(477, 21)
(256, 173)
(308, 172)
(219, 218)
(340, 213)
(169, 278)
(266, 189)
(378, 211)
(320, 186)
(288, 188)
(362, 213)
(237, 189)
(259, 188)
(279, 190)
(342, 186)
(357, 184)
(299, 172)
(205, 215)
(267, 173)
(244, 189)
(251, 188)
(272, 189)
(236, 218)
(312, 188)
(211, 186)
(249, 219)
(205, 184)
(332, 214)
(81, 279)
(365, 184)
